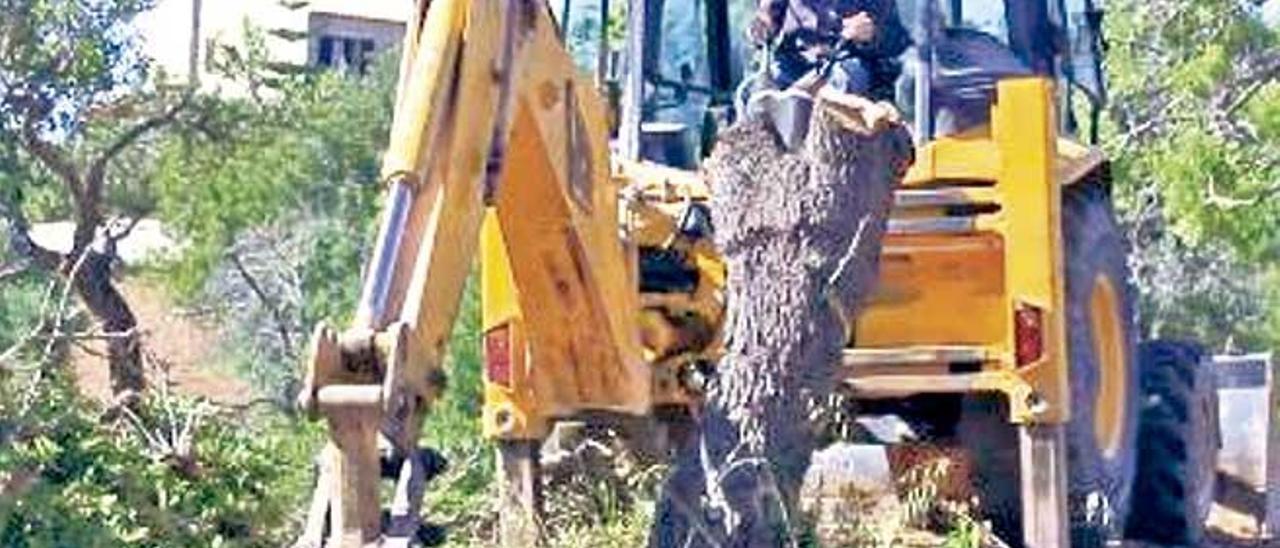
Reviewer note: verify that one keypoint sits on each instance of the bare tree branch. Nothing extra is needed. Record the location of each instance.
(1248, 94)
(282, 327)
(1253, 72)
(12, 271)
(55, 160)
(1222, 201)
(97, 169)
(89, 202)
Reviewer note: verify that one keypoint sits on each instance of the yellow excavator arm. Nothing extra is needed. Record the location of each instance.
(492, 125)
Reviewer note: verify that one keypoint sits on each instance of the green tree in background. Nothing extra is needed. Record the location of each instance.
(275, 195)
(76, 111)
(1194, 134)
(89, 134)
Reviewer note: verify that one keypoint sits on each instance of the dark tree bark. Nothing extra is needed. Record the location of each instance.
(87, 267)
(800, 232)
(95, 288)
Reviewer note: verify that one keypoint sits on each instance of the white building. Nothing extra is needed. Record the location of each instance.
(180, 35)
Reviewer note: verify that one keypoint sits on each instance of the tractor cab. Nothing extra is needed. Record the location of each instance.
(693, 57)
(689, 55)
(1001, 237)
(963, 48)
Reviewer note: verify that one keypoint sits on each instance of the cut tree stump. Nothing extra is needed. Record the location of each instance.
(800, 233)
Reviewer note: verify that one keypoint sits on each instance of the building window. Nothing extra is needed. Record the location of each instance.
(346, 53)
(325, 58)
(350, 44)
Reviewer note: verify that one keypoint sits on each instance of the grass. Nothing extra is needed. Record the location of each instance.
(920, 514)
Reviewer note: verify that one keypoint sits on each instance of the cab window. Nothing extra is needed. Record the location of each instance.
(1085, 68)
(980, 15)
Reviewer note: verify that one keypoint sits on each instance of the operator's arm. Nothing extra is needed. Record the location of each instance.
(891, 39)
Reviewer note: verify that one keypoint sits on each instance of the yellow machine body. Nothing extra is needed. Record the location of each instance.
(500, 149)
(975, 235)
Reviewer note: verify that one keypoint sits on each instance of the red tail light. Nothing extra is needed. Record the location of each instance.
(497, 355)
(1028, 334)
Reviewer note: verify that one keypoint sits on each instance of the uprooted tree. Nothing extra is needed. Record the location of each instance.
(800, 232)
(75, 106)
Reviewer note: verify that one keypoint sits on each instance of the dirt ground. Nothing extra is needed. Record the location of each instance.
(183, 341)
(1236, 516)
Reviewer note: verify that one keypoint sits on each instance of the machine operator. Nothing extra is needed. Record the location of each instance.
(867, 37)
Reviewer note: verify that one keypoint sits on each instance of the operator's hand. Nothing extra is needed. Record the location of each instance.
(761, 29)
(859, 28)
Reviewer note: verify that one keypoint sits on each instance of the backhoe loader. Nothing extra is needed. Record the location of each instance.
(1002, 321)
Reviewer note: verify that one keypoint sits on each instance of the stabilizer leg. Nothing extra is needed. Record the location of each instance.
(1042, 450)
(520, 514)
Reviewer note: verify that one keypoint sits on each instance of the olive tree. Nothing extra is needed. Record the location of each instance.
(77, 108)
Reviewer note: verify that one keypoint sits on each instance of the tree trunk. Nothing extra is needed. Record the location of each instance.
(800, 232)
(94, 286)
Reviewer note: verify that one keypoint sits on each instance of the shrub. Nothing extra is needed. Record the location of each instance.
(69, 478)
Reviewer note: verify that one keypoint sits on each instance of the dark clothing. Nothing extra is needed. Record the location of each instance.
(805, 25)
(824, 19)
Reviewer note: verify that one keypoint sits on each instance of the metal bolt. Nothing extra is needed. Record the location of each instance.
(1037, 404)
(504, 420)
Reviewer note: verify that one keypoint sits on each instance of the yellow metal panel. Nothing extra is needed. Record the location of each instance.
(513, 412)
(936, 290)
(963, 288)
(1024, 131)
(552, 258)
(571, 338)
(426, 88)
(571, 120)
(970, 156)
(452, 231)
(497, 286)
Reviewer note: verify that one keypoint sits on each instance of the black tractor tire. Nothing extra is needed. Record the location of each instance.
(1177, 446)
(1098, 484)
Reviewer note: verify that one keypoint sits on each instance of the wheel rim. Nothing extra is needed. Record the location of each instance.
(1108, 348)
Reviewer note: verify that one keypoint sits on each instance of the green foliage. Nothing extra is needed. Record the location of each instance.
(73, 90)
(20, 303)
(71, 54)
(966, 533)
(463, 498)
(624, 531)
(1192, 132)
(310, 148)
(71, 480)
(1168, 62)
(454, 423)
(287, 173)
